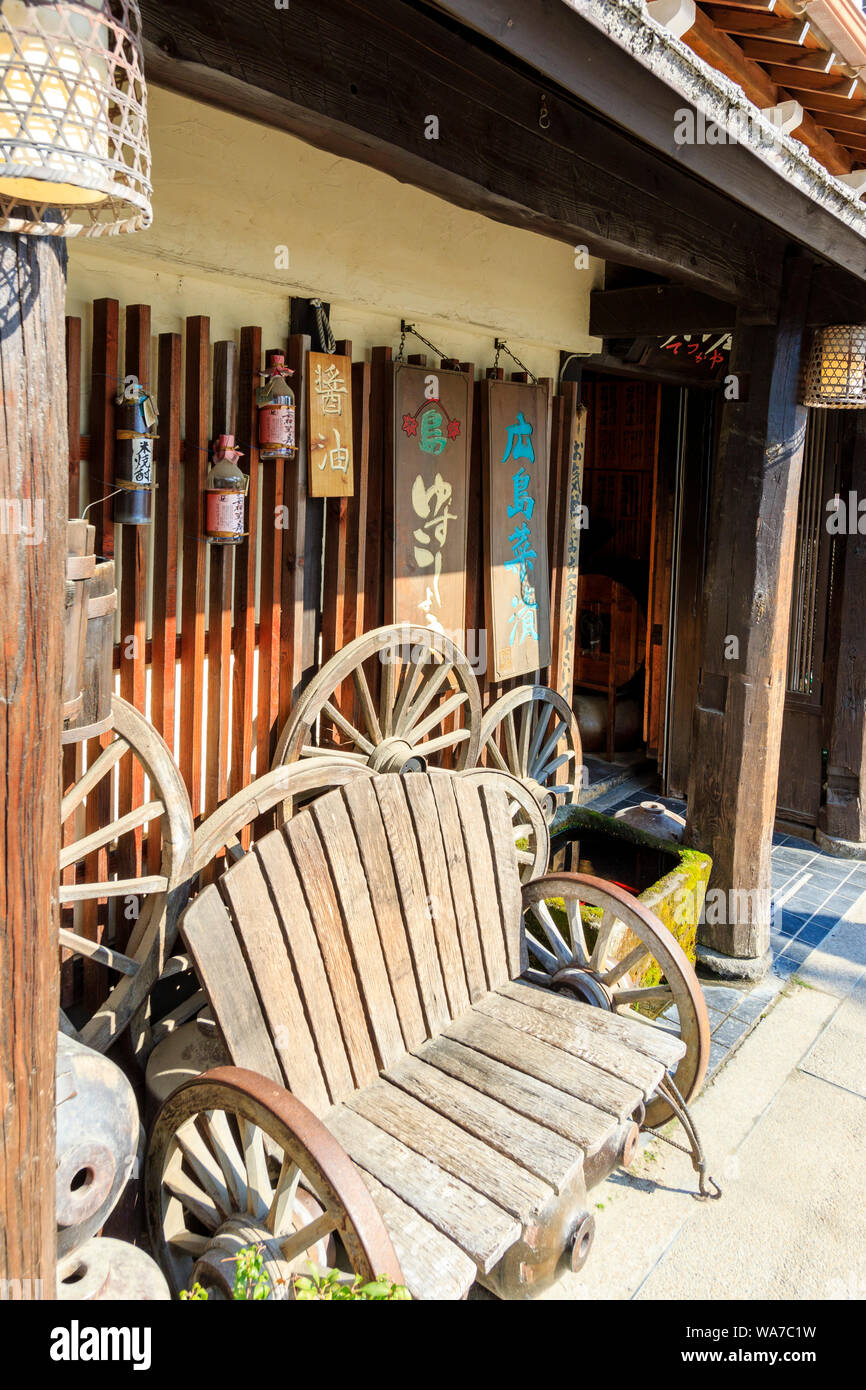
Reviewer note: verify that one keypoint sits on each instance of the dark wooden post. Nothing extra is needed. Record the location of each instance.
(842, 817)
(747, 595)
(33, 498)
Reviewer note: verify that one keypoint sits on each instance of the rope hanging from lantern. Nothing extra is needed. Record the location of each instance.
(836, 373)
(74, 148)
(501, 346)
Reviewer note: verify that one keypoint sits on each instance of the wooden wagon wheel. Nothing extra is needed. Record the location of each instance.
(236, 1160)
(531, 834)
(532, 733)
(168, 813)
(595, 941)
(415, 695)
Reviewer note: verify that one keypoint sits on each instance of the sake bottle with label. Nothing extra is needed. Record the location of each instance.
(226, 489)
(276, 406)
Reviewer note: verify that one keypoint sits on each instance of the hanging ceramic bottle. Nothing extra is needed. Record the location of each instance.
(275, 400)
(226, 489)
(135, 432)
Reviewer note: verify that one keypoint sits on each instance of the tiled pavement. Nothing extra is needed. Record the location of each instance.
(811, 892)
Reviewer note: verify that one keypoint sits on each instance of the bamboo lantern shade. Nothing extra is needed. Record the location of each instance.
(836, 374)
(74, 149)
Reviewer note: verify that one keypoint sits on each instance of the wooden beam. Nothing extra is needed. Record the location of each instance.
(842, 817)
(835, 297)
(656, 311)
(768, 26)
(359, 79)
(570, 51)
(737, 726)
(34, 488)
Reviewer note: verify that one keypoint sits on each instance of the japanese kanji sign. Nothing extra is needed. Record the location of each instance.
(329, 425)
(517, 449)
(430, 480)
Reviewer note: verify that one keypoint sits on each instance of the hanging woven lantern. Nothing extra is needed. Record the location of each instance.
(74, 150)
(836, 374)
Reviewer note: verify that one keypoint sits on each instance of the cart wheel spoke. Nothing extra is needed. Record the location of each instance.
(204, 1166)
(575, 923)
(494, 754)
(438, 716)
(191, 1196)
(227, 1155)
(625, 966)
(365, 699)
(347, 727)
(279, 1218)
(511, 743)
(541, 953)
(431, 684)
(102, 955)
(627, 997)
(558, 943)
(541, 758)
(308, 1236)
(259, 1191)
(602, 940)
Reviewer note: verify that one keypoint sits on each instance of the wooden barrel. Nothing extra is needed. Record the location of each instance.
(97, 675)
(80, 565)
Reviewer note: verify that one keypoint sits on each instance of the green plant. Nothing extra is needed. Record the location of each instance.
(252, 1284)
(331, 1285)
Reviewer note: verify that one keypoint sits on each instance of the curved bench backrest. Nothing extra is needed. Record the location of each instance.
(360, 929)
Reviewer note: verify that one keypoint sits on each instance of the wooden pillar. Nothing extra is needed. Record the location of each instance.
(737, 724)
(842, 817)
(33, 498)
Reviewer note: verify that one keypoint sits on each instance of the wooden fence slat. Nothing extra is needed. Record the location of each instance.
(91, 919)
(298, 616)
(335, 575)
(192, 626)
(274, 473)
(219, 627)
(166, 521)
(132, 602)
(249, 361)
(73, 411)
(380, 429)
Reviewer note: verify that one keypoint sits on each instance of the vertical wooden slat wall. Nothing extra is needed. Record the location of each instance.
(247, 624)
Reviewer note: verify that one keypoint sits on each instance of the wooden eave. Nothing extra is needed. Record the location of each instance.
(774, 52)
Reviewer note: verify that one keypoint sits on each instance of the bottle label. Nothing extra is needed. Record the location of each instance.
(224, 514)
(277, 426)
(142, 460)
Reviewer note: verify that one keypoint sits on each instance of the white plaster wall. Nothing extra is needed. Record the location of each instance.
(229, 192)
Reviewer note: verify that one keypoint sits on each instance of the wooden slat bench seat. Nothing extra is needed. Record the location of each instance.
(365, 956)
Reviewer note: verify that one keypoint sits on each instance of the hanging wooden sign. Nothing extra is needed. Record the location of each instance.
(516, 423)
(431, 425)
(329, 425)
